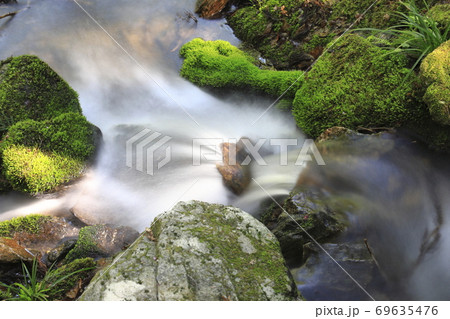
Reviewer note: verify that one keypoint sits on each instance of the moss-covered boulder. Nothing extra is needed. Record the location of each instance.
(198, 251)
(219, 64)
(381, 15)
(44, 139)
(441, 14)
(30, 89)
(355, 84)
(435, 71)
(269, 28)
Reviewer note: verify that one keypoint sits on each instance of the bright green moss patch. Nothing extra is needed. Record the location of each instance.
(68, 134)
(33, 171)
(441, 14)
(30, 89)
(435, 70)
(219, 64)
(29, 224)
(353, 85)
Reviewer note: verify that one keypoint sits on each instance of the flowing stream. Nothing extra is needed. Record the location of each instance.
(125, 67)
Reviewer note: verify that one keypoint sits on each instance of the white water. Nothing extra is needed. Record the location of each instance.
(124, 95)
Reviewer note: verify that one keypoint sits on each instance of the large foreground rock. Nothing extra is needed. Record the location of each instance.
(198, 251)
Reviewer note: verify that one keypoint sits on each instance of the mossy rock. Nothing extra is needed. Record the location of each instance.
(435, 70)
(198, 251)
(354, 84)
(275, 28)
(101, 241)
(381, 15)
(41, 120)
(441, 14)
(30, 224)
(30, 89)
(30, 170)
(219, 64)
(68, 134)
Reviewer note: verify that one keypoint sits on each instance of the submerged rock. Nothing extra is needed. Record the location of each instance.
(198, 251)
(304, 216)
(320, 278)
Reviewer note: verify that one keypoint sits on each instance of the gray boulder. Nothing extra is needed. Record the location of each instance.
(198, 251)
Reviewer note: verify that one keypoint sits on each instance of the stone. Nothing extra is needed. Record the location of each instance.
(304, 214)
(37, 233)
(101, 241)
(12, 252)
(198, 251)
(59, 252)
(211, 9)
(236, 177)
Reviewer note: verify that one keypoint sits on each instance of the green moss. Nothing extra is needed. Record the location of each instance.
(30, 170)
(30, 89)
(39, 111)
(66, 277)
(219, 64)
(86, 244)
(318, 41)
(381, 15)
(258, 24)
(441, 14)
(435, 71)
(353, 85)
(68, 134)
(29, 224)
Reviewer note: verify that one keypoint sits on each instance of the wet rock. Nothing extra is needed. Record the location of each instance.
(12, 252)
(236, 177)
(198, 251)
(91, 212)
(304, 216)
(335, 133)
(38, 233)
(211, 9)
(321, 279)
(101, 241)
(59, 252)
